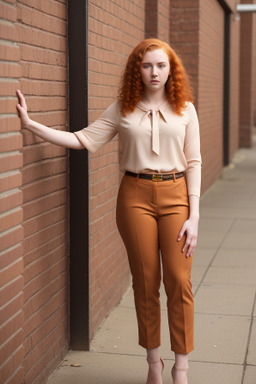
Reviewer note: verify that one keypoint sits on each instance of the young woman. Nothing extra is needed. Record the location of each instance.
(158, 199)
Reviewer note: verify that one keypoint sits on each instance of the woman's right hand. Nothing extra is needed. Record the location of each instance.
(54, 136)
(22, 110)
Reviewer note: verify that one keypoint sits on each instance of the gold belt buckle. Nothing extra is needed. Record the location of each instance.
(157, 177)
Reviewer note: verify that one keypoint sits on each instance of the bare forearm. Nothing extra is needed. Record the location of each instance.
(54, 136)
(194, 207)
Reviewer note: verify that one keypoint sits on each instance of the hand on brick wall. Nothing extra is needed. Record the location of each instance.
(54, 136)
(22, 110)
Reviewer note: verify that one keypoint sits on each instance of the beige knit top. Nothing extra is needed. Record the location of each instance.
(151, 141)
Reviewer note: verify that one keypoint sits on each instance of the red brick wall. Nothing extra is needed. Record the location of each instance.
(34, 180)
(210, 95)
(197, 35)
(42, 28)
(246, 79)
(234, 86)
(163, 20)
(151, 18)
(184, 36)
(115, 27)
(11, 213)
(157, 19)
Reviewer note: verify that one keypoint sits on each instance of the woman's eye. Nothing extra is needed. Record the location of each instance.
(161, 65)
(146, 66)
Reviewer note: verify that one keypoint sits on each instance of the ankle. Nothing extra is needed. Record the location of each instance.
(153, 355)
(180, 368)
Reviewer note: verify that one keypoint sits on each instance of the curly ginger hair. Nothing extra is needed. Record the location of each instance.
(177, 87)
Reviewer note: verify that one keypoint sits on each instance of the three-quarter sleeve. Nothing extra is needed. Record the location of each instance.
(102, 130)
(192, 153)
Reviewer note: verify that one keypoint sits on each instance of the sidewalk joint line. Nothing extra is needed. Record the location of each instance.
(214, 255)
(248, 340)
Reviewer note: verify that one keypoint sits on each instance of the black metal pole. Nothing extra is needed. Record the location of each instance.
(79, 225)
(226, 101)
(226, 85)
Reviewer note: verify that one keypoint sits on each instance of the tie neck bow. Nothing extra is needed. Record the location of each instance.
(154, 114)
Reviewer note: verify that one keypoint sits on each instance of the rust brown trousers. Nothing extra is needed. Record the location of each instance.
(149, 217)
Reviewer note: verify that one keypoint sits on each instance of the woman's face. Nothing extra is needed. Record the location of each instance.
(155, 70)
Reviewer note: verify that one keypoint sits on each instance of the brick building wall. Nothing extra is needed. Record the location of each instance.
(247, 64)
(234, 84)
(197, 35)
(42, 28)
(11, 212)
(210, 96)
(163, 20)
(34, 248)
(184, 36)
(115, 27)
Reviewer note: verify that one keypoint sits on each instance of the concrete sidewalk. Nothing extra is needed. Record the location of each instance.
(224, 284)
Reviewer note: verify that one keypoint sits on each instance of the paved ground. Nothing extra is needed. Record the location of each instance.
(224, 284)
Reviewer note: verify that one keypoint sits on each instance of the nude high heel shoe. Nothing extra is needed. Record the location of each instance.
(175, 368)
(156, 361)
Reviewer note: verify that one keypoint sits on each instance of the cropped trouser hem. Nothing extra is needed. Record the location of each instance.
(150, 216)
(182, 351)
(173, 348)
(149, 346)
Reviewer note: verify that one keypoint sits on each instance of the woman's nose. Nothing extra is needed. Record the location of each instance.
(154, 71)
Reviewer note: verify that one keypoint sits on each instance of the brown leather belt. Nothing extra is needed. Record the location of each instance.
(156, 176)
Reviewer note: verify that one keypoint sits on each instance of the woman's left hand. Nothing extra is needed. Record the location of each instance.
(190, 228)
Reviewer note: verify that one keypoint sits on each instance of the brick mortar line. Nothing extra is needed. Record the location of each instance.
(52, 240)
(134, 4)
(41, 290)
(8, 4)
(44, 320)
(10, 211)
(41, 161)
(9, 173)
(41, 357)
(10, 153)
(39, 64)
(12, 247)
(43, 179)
(41, 11)
(40, 198)
(53, 280)
(3, 135)
(9, 283)
(42, 214)
(30, 45)
(11, 318)
(62, 221)
(11, 357)
(20, 22)
(12, 300)
(115, 15)
(10, 43)
(115, 29)
(100, 243)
